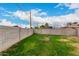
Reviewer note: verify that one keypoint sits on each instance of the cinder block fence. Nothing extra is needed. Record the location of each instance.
(61, 31)
(12, 35)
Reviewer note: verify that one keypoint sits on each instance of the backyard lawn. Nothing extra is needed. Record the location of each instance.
(45, 45)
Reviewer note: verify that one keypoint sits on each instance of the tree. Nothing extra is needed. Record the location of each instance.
(42, 26)
(75, 23)
(36, 27)
(69, 23)
(46, 25)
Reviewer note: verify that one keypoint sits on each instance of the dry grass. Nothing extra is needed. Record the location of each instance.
(64, 40)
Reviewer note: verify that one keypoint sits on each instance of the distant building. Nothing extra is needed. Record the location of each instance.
(17, 26)
(73, 25)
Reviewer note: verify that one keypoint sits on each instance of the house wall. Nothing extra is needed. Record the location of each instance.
(12, 35)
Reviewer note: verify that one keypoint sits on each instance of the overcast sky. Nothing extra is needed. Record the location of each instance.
(53, 13)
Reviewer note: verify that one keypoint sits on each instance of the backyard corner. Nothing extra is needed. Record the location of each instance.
(45, 45)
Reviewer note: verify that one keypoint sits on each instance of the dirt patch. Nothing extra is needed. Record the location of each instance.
(45, 39)
(75, 52)
(74, 38)
(75, 45)
(64, 40)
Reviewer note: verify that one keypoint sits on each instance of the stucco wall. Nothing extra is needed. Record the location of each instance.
(12, 35)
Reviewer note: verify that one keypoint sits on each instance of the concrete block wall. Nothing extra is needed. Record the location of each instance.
(78, 31)
(66, 31)
(12, 35)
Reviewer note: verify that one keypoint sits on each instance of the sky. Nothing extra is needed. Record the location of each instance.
(55, 14)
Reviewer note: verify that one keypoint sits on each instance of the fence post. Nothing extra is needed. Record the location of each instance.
(77, 31)
(19, 33)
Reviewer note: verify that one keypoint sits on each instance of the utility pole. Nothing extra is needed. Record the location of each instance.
(30, 20)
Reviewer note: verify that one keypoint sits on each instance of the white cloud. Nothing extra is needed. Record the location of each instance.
(37, 13)
(53, 20)
(58, 5)
(72, 5)
(21, 14)
(6, 23)
(24, 15)
(36, 17)
(60, 19)
(77, 12)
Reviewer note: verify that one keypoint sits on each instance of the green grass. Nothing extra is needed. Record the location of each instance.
(41, 45)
